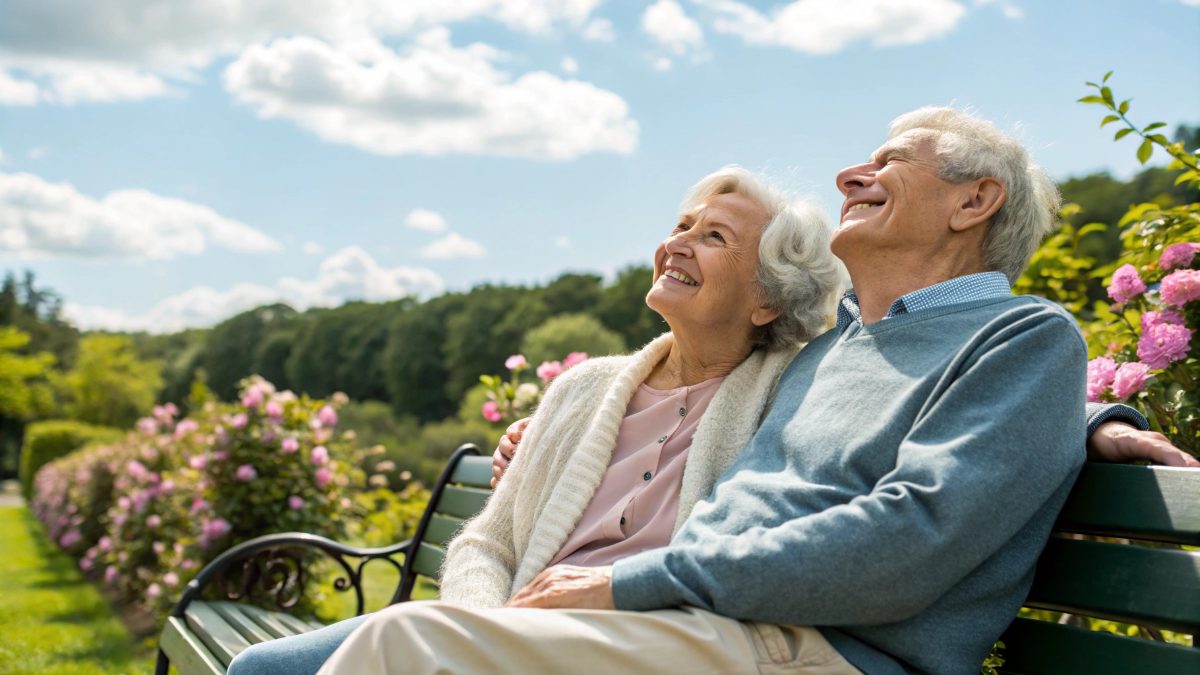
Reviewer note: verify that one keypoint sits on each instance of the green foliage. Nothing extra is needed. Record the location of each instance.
(413, 365)
(230, 348)
(109, 384)
(568, 333)
(38, 313)
(24, 391)
(623, 307)
(1058, 271)
(48, 440)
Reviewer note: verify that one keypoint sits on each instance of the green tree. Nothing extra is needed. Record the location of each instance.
(568, 333)
(480, 335)
(415, 370)
(622, 307)
(229, 352)
(24, 391)
(109, 384)
(342, 349)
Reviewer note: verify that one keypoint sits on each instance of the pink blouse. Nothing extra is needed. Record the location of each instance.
(636, 505)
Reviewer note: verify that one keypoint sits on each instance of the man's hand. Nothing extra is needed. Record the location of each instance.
(507, 449)
(567, 587)
(1119, 442)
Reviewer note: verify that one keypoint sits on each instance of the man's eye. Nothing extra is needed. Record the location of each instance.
(682, 227)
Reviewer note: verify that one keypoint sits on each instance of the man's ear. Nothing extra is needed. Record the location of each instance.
(980, 200)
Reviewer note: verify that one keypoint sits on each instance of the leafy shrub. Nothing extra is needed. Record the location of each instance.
(48, 440)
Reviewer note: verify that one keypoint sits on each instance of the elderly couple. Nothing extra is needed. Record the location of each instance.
(725, 502)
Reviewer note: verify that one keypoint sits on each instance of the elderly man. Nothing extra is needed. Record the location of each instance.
(887, 514)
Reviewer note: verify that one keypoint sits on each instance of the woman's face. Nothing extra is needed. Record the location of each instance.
(704, 272)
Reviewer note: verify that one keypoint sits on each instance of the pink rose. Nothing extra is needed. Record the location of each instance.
(171, 579)
(159, 547)
(239, 421)
(323, 476)
(1163, 345)
(1180, 287)
(549, 370)
(105, 543)
(246, 473)
(153, 591)
(295, 503)
(212, 530)
(574, 358)
(1126, 284)
(154, 522)
(69, 539)
(1100, 374)
(274, 409)
(111, 574)
(185, 427)
(1178, 255)
(252, 398)
(515, 361)
(319, 455)
(328, 416)
(1154, 318)
(491, 411)
(198, 462)
(147, 426)
(289, 445)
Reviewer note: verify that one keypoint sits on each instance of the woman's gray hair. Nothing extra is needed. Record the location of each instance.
(969, 148)
(797, 274)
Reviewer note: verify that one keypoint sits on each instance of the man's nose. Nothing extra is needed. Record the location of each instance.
(859, 175)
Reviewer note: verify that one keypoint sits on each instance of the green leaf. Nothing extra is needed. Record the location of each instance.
(1152, 127)
(1090, 228)
(1159, 138)
(1091, 99)
(1106, 93)
(1106, 76)
(1110, 118)
(1122, 133)
(1186, 176)
(1124, 107)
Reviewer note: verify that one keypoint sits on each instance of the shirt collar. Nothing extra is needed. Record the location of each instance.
(981, 286)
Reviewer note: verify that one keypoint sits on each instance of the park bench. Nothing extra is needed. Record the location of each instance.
(1151, 583)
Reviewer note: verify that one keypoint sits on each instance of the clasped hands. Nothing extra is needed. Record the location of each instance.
(567, 587)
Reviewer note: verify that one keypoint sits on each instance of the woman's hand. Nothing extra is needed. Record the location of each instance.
(507, 449)
(567, 587)
(1119, 442)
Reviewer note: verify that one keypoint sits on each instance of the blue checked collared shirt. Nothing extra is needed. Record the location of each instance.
(979, 286)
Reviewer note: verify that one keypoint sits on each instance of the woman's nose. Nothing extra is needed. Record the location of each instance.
(678, 244)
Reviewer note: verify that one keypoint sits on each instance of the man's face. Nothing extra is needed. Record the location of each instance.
(894, 201)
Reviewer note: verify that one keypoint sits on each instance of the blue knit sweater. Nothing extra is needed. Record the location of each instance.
(899, 491)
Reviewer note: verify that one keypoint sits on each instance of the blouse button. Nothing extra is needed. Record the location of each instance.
(646, 476)
(622, 520)
(682, 412)
(662, 439)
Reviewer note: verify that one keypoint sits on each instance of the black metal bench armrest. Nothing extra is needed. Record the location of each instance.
(287, 570)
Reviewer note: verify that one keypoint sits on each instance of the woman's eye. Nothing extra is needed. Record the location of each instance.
(717, 236)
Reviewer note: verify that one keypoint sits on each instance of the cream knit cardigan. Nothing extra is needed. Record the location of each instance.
(565, 452)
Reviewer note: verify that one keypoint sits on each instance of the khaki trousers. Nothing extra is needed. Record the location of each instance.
(436, 637)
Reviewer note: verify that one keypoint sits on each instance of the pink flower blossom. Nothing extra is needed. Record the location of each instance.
(159, 547)
(323, 476)
(185, 427)
(246, 473)
(1163, 345)
(1180, 287)
(211, 530)
(274, 409)
(198, 462)
(549, 370)
(1153, 318)
(187, 564)
(491, 411)
(319, 455)
(219, 455)
(111, 573)
(154, 522)
(573, 359)
(147, 426)
(295, 503)
(289, 445)
(171, 579)
(105, 543)
(69, 539)
(1100, 374)
(198, 505)
(515, 361)
(239, 421)
(1178, 255)
(153, 591)
(1126, 284)
(328, 416)
(252, 398)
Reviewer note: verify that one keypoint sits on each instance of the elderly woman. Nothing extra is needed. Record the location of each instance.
(621, 448)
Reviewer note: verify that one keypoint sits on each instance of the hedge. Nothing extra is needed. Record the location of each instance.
(48, 440)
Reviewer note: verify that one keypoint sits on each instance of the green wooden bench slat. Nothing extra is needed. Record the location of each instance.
(222, 639)
(235, 615)
(1159, 503)
(293, 623)
(1134, 584)
(270, 621)
(441, 529)
(429, 560)
(473, 471)
(1034, 647)
(186, 651)
(462, 502)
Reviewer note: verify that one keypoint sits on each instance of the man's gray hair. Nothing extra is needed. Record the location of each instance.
(969, 148)
(797, 274)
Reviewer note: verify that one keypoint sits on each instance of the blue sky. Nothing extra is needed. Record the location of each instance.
(163, 165)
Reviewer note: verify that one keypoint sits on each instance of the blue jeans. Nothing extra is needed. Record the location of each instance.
(295, 655)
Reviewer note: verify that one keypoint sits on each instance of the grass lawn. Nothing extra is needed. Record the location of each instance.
(51, 619)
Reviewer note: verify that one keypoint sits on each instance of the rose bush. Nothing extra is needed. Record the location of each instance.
(516, 397)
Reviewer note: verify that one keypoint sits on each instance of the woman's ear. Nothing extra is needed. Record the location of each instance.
(762, 316)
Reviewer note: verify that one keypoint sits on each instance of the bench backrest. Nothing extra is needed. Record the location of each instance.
(459, 494)
(1137, 574)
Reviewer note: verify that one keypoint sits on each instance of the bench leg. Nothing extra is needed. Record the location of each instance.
(162, 665)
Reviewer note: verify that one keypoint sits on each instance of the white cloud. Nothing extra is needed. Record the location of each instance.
(662, 64)
(1010, 10)
(426, 220)
(829, 26)
(123, 49)
(599, 30)
(349, 274)
(452, 247)
(666, 22)
(562, 242)
(37, 152)
(40, 218)
(312, 248)
(569, 65)
(431, 99)
(1193, 3)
